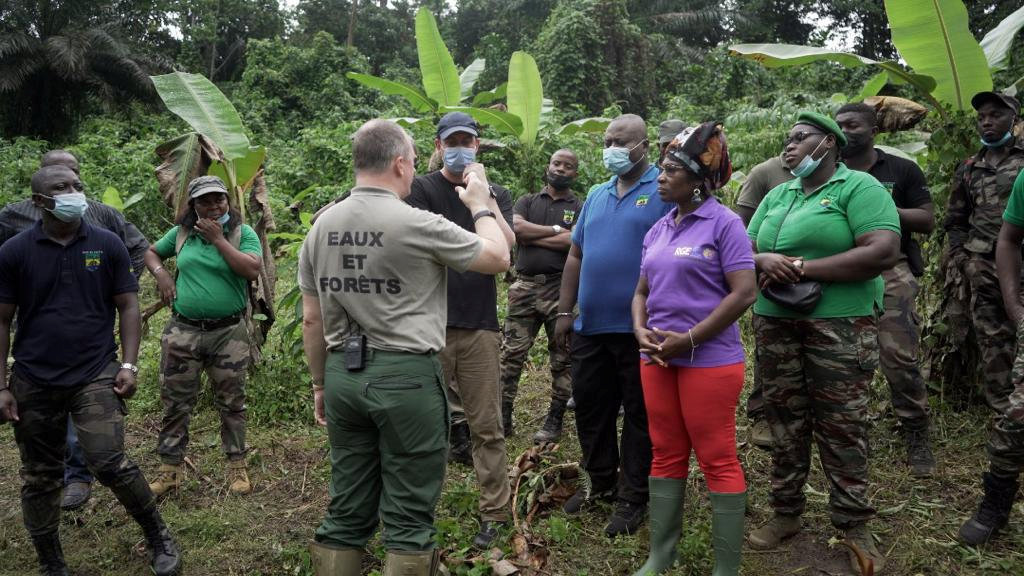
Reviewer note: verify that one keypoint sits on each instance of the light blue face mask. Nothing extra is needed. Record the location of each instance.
(457, 158)
(68, 207)
(616, 159)
(808, 165)
(224, 218)
(1006, 138)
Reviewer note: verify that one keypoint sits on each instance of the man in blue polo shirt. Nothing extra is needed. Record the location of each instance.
(67, 279)
(600, 275)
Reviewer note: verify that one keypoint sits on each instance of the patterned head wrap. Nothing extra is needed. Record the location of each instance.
(703, 150)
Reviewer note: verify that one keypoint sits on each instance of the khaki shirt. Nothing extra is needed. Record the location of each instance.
(378, 264)
(978, 198)
(761, 179)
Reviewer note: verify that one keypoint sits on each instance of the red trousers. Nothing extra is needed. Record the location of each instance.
(694, 408)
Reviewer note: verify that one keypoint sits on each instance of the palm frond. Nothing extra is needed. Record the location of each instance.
(12, 43)
(66, 55)
(14, 73)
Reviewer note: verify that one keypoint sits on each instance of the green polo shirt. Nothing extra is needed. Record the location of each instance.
(206, 285)
(821, 224)
(1014, 213)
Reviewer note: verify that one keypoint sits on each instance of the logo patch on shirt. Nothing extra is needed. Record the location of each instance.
(641, 201)
(708, 253)
(890, 186)
(826, 202)
(567, 216)
(92, 259)
(683, 251)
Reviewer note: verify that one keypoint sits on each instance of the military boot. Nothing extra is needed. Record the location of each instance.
(330, 561)
(413, 563)
(461, 448)
(993, 512)
(919, 452)
(761, 434)
(238, 477)
(727, 531)
(774, 532)
(168, 477)
(506, 416)
(51, 557)
(860, 537)
(165, 559)
(666, 507)
(552, 429)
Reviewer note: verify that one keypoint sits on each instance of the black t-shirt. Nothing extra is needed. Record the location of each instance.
(65, 300)
(472, 297)
(905, 180)
(541, 208)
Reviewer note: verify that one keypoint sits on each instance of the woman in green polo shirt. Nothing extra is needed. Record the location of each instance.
(217, 256)
(838, 228)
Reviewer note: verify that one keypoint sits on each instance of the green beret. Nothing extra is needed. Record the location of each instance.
(824, 122)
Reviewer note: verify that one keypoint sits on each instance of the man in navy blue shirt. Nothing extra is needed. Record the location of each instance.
(67, 280)
(600, 275)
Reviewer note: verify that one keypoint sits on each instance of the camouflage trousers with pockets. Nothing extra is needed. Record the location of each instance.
(97, 413)
(816, 374)
(899, 343)
(1006, 437)
(532, 305)
(186, 352)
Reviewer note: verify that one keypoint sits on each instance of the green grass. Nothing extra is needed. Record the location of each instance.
(266, 532)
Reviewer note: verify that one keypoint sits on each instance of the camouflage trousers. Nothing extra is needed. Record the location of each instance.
(186, 351)
(530, 306)
(899, 344)
(816, 374)
(994, 330)
(98, 416)
(1006, 436)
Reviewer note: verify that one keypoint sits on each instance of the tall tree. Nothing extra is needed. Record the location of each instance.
(56, 58)
(381, 30)
(215, 32)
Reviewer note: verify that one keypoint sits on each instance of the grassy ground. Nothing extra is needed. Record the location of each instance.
(265, 533)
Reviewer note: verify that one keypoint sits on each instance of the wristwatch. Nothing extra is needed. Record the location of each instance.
(129, 366)
(558, 229)
(483, 214)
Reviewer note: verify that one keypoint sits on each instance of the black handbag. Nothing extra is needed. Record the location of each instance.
(802, 297)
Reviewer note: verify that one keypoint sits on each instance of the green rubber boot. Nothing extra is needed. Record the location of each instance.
(331, 561)
(414, 563)
(727, 512)
(666, 523)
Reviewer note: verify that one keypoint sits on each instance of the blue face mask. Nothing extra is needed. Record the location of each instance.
(616, 159)
(68, 207)
(808, 165)
(1006, 138)
(457, 158)
(224, 218)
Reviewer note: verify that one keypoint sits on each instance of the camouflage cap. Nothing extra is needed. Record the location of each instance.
(999, 98)
(204, 185)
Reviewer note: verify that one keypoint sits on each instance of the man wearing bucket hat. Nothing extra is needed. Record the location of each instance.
(471, 353)
(977, 202)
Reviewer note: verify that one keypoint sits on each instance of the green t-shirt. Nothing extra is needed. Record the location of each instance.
(1014, 213)
(822, 224)
(206, 285)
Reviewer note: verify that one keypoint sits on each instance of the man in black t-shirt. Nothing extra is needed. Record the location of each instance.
(543, 226)
(898, 338)
(470, 357)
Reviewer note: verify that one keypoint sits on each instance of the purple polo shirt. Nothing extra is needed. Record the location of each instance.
(685, 266)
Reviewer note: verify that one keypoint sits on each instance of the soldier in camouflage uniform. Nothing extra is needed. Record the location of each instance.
(543, 226)
(217, 257)
(838, 227)
(996, 189)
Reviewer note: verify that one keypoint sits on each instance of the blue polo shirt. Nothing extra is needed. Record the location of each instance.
(65, 299)
(610, 233)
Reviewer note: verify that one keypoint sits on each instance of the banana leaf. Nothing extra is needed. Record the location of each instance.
(184, 158)
(590, 125)
(933, 37)
(205, 108)
(525, 95)
(996, 44)
(440, 76)
(416, 99)
(239, 174)
(487, 96)
(468, 78)
(872, 86)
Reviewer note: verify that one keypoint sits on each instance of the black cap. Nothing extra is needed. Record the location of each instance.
(453, 122)
(997, 97)
(669, 129)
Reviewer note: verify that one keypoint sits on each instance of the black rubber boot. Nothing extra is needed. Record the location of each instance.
(165, 558)
(461, 449)
(552, 429)
(51, 557)
(506, 416)
(992, 513)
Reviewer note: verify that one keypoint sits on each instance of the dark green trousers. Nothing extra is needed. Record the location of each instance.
(388, 430)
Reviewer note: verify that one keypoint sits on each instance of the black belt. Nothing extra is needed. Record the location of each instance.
(209, 323)
(541, 278)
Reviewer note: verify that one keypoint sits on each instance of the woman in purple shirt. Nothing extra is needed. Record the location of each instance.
(696, 280)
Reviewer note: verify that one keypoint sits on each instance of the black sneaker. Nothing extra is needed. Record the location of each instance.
(488, 532)
(76, 494)
(626, 519)
(585, 496)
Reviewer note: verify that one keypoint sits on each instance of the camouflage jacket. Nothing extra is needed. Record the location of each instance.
(977, 200)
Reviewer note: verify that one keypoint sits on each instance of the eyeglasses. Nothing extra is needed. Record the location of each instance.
(671, 169)
(800, 137)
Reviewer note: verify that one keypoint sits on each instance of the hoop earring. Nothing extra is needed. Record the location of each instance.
(697, 196)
